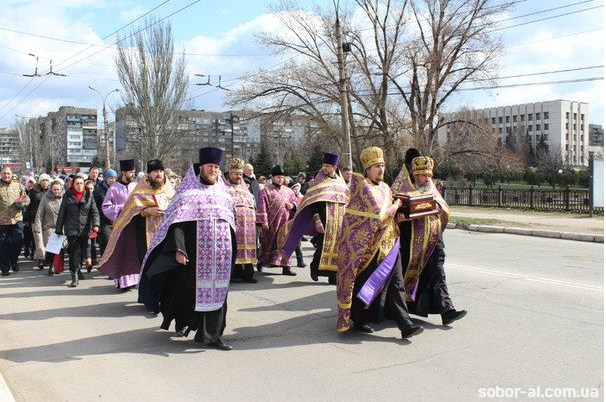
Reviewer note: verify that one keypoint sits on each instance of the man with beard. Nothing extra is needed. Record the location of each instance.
(109, 178)
(422, 245)
(320, 214)
(114, 202)
(370, 286)
(276, 204)
(134, 229)
(189, 259)
(244, 204)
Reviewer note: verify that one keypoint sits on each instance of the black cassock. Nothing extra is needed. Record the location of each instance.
(432, 293)
(174, 285)
(390, 303)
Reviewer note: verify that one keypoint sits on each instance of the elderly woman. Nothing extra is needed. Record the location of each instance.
(78, 217)
(46, 218)
(36, 194)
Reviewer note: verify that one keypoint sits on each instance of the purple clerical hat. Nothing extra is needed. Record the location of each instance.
(210, 155)
(127, 165)
(331, 159)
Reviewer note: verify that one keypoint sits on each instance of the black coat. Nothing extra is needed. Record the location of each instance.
(35, 196)
(99, 196)
(77, 218)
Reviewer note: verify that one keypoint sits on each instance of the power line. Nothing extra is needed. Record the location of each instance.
(37, 86)
(116, 31)
(544, 73)
(132, 34)
(546, 10)
(548, 18)
(553, 38)
(531, 84)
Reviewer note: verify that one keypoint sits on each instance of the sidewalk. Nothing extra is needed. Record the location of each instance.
(543, 224)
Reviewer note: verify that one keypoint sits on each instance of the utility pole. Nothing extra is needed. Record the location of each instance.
(341, 49)
(104, 99)
(231, 122)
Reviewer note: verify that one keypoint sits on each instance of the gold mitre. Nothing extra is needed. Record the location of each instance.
(371, 156)
(236, 165)
(422, 165)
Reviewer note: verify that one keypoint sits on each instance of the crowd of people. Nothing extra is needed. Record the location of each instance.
(181, 242)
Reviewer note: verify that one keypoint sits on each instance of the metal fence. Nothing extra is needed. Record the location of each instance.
(564, 199)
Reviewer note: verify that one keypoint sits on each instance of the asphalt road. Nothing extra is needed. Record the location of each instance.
(535, 320)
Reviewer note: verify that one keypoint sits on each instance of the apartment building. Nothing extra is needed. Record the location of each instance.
(238, 133)
(70, 136)
(561, 124)
(9, 146)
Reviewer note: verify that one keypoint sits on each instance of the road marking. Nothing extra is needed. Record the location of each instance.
(529, 278)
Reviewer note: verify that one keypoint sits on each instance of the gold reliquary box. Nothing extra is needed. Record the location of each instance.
(416, 205)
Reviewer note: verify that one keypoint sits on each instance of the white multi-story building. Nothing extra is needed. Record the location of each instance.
(562, 125)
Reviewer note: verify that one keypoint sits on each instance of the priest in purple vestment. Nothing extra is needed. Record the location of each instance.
(370, 286)
(320, 215)
(112, 206)
(422, 245)
(245, 210)
(277, 204)
(189, 259)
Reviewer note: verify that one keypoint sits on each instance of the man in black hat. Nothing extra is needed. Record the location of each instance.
(320, 214)
(277, 204)
(189, 260)
(133, 230)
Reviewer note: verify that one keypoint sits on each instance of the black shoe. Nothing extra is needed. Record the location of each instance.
(40, 264)
(15, 267)
(332, 280)
(259, 267)
(80, 276)
(6, 273)
(287, 271)
(221, 344)
(452, 315)
(50, 271)
(411, 330)
(89, 268)
(314, 277)
(367, 329)
(301, 264)
(250, 280)
(75, 280)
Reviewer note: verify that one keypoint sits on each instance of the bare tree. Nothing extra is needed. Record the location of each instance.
(471, 146)
(406, 61)
(550, 162)
(454, 43)
(155, 88)
(308, 83)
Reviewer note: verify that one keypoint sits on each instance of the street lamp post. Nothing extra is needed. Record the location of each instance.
(104, 99)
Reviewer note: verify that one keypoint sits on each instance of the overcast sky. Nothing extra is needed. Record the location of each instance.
(218, 38)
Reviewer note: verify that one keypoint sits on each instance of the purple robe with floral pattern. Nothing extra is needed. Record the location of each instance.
(271, 210)
(212, 208)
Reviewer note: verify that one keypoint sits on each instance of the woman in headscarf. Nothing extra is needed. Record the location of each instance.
(78, 218)
(46, 218)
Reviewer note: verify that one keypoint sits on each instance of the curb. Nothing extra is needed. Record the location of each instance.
(552, 234)
(5, 392)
